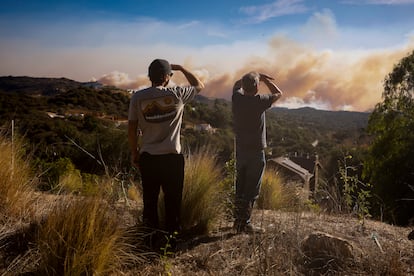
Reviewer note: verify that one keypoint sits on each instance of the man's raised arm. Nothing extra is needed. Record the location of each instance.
(274, 89)
(192, 79)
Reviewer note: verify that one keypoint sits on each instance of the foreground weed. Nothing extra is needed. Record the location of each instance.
(228, 187)
(167, 252)
(356, 192)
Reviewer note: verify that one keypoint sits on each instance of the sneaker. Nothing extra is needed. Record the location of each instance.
(248, 228)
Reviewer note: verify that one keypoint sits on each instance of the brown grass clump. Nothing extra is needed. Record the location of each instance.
(16, 181)
(134, 194)
(276, 194)
(81, 236)
(201, 204)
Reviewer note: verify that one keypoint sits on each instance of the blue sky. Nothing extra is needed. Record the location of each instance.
(325, 54)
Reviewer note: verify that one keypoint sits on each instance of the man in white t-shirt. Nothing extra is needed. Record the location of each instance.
(156, 113)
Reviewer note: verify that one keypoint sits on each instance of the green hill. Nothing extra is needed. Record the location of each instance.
(55, 113)
(329, 120)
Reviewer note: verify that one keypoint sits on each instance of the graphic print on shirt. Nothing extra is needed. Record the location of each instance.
(159, 110)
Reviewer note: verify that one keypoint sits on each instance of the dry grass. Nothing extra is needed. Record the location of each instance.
(79, 235)
(201, 204)
(59, 234)
(278, 251)
(202, 199)
(276, 194)
(16, 182)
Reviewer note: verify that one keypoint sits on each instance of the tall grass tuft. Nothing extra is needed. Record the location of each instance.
(16, 183)
(202, 192)
(276, 194)
(81, 236)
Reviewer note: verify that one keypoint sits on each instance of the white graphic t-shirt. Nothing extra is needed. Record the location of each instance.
(159, 112)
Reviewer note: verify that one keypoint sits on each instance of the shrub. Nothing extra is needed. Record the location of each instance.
(228, 187)
(356, 192)
(70, 181)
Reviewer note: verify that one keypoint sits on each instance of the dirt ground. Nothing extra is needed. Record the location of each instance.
(377, 248)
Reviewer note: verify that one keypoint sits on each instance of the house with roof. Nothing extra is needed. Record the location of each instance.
(301, 169)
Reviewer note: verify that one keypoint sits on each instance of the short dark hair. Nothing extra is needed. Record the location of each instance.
(158, 69)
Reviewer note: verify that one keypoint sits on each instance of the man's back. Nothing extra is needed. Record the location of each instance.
(249, 120)
(159, 113)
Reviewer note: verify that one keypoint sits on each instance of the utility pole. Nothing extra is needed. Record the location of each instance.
(316, 173)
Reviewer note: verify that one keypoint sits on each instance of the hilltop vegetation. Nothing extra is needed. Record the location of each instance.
(58, 115)
(54, 114)
(311, 131)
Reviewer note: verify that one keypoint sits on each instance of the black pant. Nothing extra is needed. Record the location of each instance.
(164, 171)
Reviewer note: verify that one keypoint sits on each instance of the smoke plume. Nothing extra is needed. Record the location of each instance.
(324, 79)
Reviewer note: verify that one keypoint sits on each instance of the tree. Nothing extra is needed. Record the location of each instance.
(221, 116)
(389, 166)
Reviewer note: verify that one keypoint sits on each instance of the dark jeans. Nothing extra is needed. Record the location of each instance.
(250, 166)
(164, 171)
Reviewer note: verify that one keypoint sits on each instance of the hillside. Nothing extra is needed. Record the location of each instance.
(45, 112)
(53, 113)
(20, 94)
(332, 120)
(53, 86)
(36, 86)
(61, 91)
(375, 248)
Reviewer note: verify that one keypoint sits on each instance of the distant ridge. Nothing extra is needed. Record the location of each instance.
(333, 120)
(309, 109)
(40, 86)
